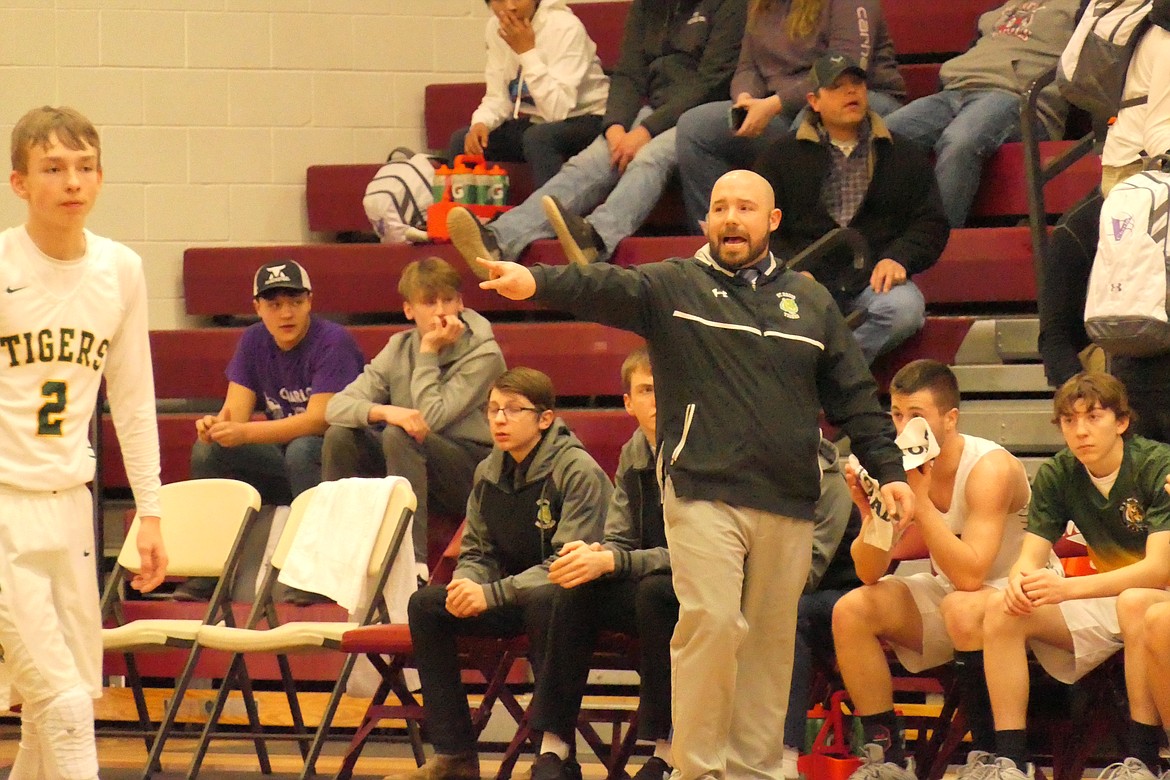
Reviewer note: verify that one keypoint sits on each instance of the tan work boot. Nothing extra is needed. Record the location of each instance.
(460, 766)
(579, 240)
(473, 241)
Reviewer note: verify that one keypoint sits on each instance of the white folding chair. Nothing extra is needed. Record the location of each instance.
(302, 636)
(204, 522)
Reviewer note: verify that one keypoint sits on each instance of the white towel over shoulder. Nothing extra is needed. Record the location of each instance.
(331, 551)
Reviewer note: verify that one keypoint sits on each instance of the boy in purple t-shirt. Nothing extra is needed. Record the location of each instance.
(292, 363)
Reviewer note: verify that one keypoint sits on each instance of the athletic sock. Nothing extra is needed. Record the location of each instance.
(791, 772)
(662, 749)
(551, 743)
(1013, 744)
(976, 705)
(1143, 741)
(881, 729)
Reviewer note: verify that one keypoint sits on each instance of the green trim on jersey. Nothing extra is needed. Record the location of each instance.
(1115, 528)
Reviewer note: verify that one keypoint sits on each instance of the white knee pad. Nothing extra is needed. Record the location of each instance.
(64, 725)
(27, 765)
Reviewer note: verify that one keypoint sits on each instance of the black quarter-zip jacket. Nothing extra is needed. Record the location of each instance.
(741, 371)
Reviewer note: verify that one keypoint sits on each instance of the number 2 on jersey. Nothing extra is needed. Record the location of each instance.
(52, 411)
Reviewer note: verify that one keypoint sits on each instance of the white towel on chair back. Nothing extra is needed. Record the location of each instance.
(331, 551)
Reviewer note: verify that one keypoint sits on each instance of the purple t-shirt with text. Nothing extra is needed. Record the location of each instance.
(325, 361)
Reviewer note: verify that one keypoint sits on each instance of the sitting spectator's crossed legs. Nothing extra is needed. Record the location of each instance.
(549, 145)
(962, 127)
(588, 184)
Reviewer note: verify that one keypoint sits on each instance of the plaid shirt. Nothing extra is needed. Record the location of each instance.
(848, 177)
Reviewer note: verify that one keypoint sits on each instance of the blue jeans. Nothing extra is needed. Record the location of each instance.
(707, 148)
(279, 472)
(890, 318)
(963, 127)
(616, 204)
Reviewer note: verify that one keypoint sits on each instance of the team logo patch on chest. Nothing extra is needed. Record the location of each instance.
(788, 305)
(1133, 515)
(544, 515)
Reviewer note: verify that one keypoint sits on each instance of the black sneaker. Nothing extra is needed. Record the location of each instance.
(195, 589)
(578, 239)
(301, 598)
(654, 769)
(550, 766)
(472, 239)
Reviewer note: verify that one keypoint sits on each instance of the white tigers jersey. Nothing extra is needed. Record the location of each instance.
(62, 326)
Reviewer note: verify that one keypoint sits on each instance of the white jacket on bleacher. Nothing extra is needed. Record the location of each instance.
(560, 78)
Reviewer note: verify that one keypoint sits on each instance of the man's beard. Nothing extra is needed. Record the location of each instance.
(755, 252)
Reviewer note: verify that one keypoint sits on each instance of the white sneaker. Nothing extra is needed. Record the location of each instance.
(875, 767)
(979, 765)
(1129, 769)
(1006, 769)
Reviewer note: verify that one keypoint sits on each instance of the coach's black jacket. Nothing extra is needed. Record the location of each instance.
(740, 374)
(901, 217)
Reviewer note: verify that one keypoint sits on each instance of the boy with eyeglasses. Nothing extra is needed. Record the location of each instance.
(291, 362)
(417, 409)
(537, 491)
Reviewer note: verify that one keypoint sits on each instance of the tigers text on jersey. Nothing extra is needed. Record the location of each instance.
(62, 326)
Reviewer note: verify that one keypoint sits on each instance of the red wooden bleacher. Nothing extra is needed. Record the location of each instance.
(602, 431)
(981, 264)
(582, 358)
(933, 28)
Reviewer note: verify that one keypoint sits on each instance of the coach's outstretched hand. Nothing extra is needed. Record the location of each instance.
(152, 554)
(510, 280)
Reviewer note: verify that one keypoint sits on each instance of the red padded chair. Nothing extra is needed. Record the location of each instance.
(389, 649)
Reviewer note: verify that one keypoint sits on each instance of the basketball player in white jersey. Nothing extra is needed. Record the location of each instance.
(72, 309)
(971, 511)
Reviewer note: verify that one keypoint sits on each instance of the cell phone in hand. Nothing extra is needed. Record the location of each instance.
(735, 117)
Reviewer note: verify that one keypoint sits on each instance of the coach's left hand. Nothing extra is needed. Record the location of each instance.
(899, 499)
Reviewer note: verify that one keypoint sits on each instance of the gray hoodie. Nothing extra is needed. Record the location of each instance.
(1018, 42)
(635, 513)
(574, 495)
(449, 388)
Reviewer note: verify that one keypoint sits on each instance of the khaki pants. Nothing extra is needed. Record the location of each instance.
(738, 574)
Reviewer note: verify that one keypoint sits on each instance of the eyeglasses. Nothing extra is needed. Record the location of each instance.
(511, 413)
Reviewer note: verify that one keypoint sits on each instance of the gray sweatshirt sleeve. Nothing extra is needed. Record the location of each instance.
(444, 400)
(621, 532)
(832, 517)
(351, 407)
(585, 492)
